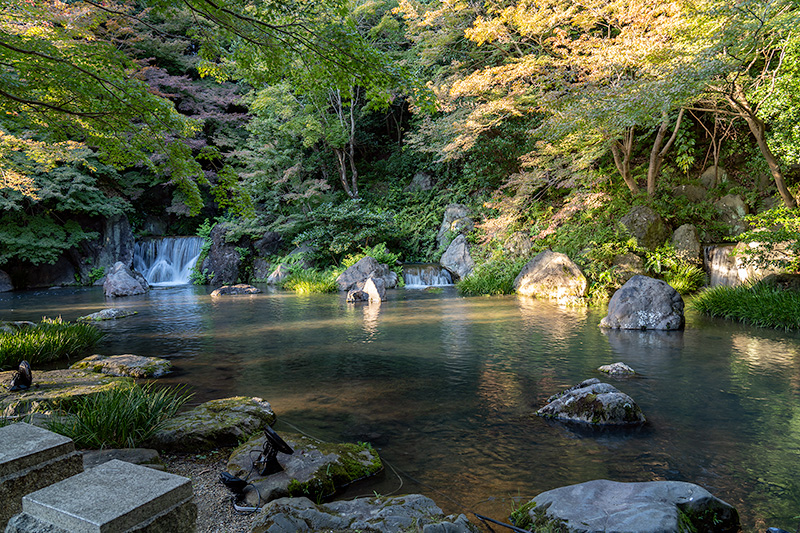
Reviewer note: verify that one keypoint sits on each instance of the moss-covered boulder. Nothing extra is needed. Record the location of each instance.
(593, 402)
(650, 507)
(412, 512)
(54, 389)
(316, 469)
(112, 313)
(214, 424)
(135, 366)
(552, 276)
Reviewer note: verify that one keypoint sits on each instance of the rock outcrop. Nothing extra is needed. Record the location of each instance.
(5, 282)
(646, 226)
(123, 281)
(367, 267)
(223, 261)
(135, 366)
(412, 512)
(552, 276)
(214, 424)
(456, 221)
(457, 259)
(645, 303)
(686, 242)
(593, 402)
(649, 507)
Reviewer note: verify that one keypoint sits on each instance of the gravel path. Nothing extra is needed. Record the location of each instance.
(215, 513)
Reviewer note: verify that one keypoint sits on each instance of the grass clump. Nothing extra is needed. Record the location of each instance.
(760, 304)
(123, 417)
(493, 277)
(51, 339)
(309, 281)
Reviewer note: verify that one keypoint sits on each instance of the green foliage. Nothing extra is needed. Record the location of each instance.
(38, 239)
(760, 304)
(775, 239)
(122, 417)
(493, 277)
(681, 274)
(96, 273)
(381, 254)
(685, 150)
(307, 281)
(203, 230)
(49, 340)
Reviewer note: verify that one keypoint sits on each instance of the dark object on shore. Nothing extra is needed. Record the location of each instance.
(267, 462)
(22, 378)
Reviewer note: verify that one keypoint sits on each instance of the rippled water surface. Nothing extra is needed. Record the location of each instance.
(445, 387)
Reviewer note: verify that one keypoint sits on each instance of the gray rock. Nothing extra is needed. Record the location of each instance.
(412, 512)
(223, 260)
(112, 313)
(261, 269)
(457, 259)
(693, 193)
(280, 273)
(371, 290)
(686, 242)
(135, 366)
(628, 265)
(456, 221)
(646, 226)
(593, 402)
(617, 369)
(241, 288)
(552, 276)
(123, 281)
(268, 244)
(420, 182)
(367, 267)
(732, 210)
(712, 176)
(214, 424)
(649, 507)
(5, 282)
(645, 303)
(316, 469)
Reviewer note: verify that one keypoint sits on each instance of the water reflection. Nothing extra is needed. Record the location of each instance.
(446, 387)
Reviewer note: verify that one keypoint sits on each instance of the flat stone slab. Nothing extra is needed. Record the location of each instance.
(53, 389)
(316, 469)
(115, 496)
(138, 456)
(24, 446)
(135, 366)
(649, 507)
(412, 512)
(111, 313)
(214, 424)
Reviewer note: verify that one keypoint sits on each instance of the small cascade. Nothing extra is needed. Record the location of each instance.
(421, 275)
(167, 261)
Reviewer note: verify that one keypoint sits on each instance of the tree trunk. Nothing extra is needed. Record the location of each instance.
(622, 151)
(657, 153)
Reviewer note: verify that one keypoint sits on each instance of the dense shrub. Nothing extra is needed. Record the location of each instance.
(495, 276)
(305, 281)
(124, 417)
(51, 339)
(760, 304)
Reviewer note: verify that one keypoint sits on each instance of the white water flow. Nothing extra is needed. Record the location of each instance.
(421, 275)
(167, 261)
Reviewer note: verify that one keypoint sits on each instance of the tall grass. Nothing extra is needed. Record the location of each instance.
(51, 339)
(123, 417)
(494, 277)
(760, 304)
(685, 278)
(308, 281)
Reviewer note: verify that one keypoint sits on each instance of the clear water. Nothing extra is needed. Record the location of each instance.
(445, 387)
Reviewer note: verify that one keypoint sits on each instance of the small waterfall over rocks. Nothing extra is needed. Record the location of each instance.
(421, 275)
(168, 260)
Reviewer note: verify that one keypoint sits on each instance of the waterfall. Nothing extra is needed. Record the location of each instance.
(167, 261)
(726, 268)
(421, 275)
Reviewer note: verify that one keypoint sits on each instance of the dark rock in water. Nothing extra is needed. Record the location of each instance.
(123, 281)
(367, 267)
(645, 303)
(650, 507)
(241, 288)
(593, 402)
(412, 512)
(370, 290)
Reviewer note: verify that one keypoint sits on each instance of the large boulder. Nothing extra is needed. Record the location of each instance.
(686, 242)
(116, 244)
(135, 366)
(412, 512)
(732, 212)
(367, 267)
(5, 282)
(645, 303)
(693, 193)
(457, 259)
(268, 244)
(456, 221)
(648, 507)
(123, 281)
(223, 261)
(552, 276)
(593, 402)
(628, 265)
(712, 176)
(371, 290)
(646, 226)
(261, 269)
(315, 470)
(214, 424)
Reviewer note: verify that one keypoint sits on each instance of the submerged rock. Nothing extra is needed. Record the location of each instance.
(649, 507)
(135, 366)
(645, 303)
(552, 276)
(316, 469)
(241, 288)
(412, 512)
(617, 369)
(214, 424)
(109, 314)
(593, 402)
